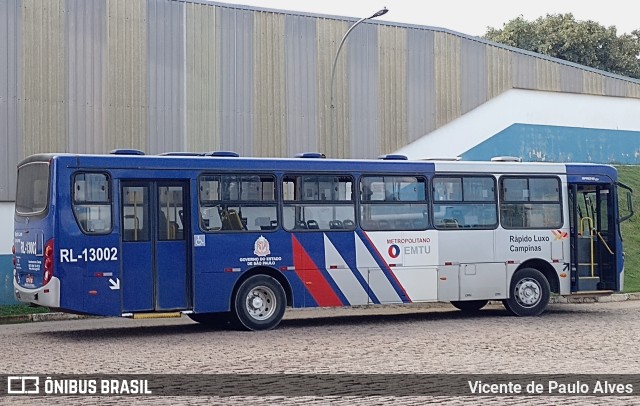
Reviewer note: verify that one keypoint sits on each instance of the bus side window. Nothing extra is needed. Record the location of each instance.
(135, 211)
(393, 203)
(170, 204)
(238, 202)
(92, 202)
(530, 202)
(318, 202)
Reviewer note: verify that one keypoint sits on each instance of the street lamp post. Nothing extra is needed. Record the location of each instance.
(335, 62)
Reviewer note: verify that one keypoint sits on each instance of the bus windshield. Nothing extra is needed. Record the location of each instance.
(33, 188)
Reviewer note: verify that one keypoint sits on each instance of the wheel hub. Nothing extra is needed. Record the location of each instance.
(528, 292)
(257, 302)
(261, 303)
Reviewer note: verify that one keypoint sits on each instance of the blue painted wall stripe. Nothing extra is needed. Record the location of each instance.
(6, 281)
(560, 144)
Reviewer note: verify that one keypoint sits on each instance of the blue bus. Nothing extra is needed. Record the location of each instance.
(220, 237)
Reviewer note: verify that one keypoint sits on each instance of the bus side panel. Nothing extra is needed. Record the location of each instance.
(480, 276)
(405, 262)
(90, 283)
(88, 265)
(212, 291)
(220, 259)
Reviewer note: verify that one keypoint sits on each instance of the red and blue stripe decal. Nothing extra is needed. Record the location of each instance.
(313, 278)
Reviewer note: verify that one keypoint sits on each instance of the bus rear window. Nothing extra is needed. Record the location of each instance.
(33, 188)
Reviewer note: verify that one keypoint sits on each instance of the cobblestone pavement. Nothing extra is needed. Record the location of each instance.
(594, 338)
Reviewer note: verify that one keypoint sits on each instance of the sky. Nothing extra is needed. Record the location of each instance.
(465, 16)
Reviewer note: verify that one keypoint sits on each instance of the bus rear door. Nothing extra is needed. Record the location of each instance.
(155, 247)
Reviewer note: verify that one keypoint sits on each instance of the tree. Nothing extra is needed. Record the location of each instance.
(583, 42)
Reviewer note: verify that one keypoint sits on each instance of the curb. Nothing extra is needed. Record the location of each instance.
(58, 316)
(616, 297)
(26, 318)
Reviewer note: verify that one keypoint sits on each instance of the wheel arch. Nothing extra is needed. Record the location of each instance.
(546, 269)
(264, 270)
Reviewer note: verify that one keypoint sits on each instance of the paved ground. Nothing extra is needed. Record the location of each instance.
(595, 338)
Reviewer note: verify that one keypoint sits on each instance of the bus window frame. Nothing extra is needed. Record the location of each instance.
(308, 202)
(463, 202)
(426, 202)
(72, 199)
(559, 202)
(238, 202)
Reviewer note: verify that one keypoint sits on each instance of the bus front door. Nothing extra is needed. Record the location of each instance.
(155, 261)
(593, 238)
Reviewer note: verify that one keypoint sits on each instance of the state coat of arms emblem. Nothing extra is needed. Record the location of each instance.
(261, 247)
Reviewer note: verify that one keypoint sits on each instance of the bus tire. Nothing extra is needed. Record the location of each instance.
(529, 293)
(469, 306)
(259, 303)
(211, 319)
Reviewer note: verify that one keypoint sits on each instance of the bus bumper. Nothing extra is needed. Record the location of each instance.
(47, 296)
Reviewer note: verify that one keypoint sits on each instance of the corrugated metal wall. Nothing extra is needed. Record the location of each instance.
(421, 105)
(301, 71)
(166, 75)
(9, 95)
(163, 75)
(86, 75)
(359, 125)
(269, 88)
(203, 82)
(129, 106)
(42, 102)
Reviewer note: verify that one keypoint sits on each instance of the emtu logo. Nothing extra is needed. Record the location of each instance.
(394, 251)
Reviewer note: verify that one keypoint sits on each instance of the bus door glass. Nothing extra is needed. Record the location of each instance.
(593, 234)
(155, 267)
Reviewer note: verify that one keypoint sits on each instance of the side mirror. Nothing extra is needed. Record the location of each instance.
(629, 203)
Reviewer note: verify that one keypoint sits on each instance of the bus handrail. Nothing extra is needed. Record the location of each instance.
(589, 222)
(604, 242)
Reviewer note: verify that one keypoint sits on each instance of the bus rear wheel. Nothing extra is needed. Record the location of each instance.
(259, 303)
(470, 306)
(529, 293)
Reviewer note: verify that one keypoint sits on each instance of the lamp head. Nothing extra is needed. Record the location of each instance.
(380, 13)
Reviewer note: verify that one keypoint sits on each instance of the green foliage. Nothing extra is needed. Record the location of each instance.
(630, 176)
(17, 310)
(584, 42)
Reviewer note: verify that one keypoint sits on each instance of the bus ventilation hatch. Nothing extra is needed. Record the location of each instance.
(393, 157)
(126, 152)
(506, 159)
(182, 154)
(315, 155)
(218, 154)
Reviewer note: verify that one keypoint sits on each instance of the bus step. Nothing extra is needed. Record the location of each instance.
(589, 283)
(156, 315)
(591, 293)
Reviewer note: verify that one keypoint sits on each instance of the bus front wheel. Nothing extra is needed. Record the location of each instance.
(259, 303)
(470, 306)
(529, 293)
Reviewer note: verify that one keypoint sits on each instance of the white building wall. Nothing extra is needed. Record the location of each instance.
(529, 107)
(6, 227)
